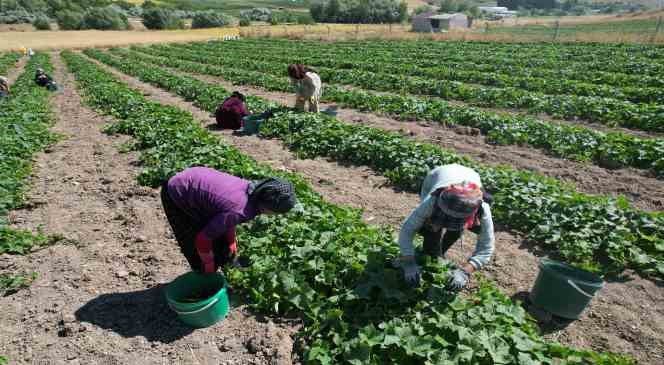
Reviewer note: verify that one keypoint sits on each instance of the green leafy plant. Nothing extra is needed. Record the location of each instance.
(327, 266)
(10, 284)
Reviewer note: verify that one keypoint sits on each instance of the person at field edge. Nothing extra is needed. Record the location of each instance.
(452, 200)
(231, 111)
(203, 207)
(4, 87)
(308, 87)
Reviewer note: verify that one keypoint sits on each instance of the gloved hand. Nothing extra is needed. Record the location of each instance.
(411, 271)
(458, 280)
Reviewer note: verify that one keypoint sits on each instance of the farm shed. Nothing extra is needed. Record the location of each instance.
(434, 23)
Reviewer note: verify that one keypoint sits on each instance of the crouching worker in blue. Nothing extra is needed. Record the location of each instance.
(452, 200)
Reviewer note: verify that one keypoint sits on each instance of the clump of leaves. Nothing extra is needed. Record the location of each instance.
(22, 242)
(10, 284)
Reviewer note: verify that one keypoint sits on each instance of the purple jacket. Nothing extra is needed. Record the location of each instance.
(217, 198)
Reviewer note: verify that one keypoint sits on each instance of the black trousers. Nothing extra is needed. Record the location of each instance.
(436, 243)
(186, 228)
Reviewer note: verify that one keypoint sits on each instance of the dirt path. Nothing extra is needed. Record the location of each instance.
(625, 317)
(101, 300)
(16, 71)
(642, 191)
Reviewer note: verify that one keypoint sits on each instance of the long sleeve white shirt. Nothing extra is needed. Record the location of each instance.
(438, 178)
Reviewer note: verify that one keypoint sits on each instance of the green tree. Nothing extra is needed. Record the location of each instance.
(106, 18)
(42, 23)
(209, 19)
(156, 18)
(70, 20)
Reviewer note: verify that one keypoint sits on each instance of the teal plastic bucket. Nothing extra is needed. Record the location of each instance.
(251, 124)
(183, 292)
(564, 290)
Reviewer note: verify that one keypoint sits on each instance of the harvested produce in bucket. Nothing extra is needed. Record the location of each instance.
(200, 294)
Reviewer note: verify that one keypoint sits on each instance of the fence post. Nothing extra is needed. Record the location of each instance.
(657, 29)
(357, 31)
(328, 33)
(555, 35)
(486, 28)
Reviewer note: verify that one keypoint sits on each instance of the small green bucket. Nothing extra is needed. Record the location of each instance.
(203, 313)
(564, 290)
(251, 124)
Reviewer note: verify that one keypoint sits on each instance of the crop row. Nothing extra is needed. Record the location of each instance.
(462, 72)
(24, 121)
(512, 61)
(588, 230)
(647, 117)
(578, 143)
(7, 61)
(324, 263)
(568, 52)
(512, 54)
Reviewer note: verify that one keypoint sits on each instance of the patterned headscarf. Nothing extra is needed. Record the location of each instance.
(275, 194)
(460, 204)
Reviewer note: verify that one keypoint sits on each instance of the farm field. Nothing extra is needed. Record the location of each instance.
(567, 137)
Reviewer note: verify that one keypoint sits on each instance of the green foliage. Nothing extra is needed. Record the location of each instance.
(210, 19)
(323, 263)
(580, 228)
(362, 11)
(245, 22)
(156, 18)
(107, 18)
(8, 61)
(537, 4)
(422, 9)
(22, 242)
(611, 150)
(3, 360)
(10, 284)
(257, 14)
(42, 23)
(24, 121)
(70, 20)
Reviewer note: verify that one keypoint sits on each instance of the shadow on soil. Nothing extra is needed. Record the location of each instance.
(139, 313)
(546, 322)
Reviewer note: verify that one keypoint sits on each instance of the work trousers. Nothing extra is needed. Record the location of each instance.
(437, 243)
(300, 102)
(186, 228)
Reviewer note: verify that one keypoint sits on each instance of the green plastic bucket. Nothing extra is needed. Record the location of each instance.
(180, 294)
(251, 124)
(564, 290)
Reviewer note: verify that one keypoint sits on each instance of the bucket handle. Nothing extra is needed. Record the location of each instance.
(573, 285)
(197, 310)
